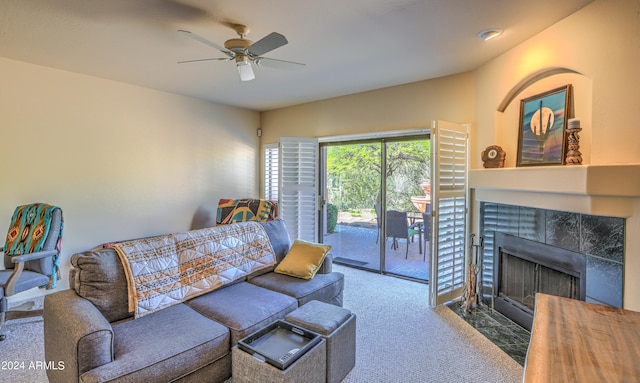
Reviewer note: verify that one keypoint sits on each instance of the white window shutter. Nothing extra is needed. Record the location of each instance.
(450, 143)
(299, 187)
(271, 172)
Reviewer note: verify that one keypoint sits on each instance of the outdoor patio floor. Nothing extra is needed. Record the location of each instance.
(354, 244)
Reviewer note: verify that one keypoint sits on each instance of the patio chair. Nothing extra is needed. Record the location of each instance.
(398, 228)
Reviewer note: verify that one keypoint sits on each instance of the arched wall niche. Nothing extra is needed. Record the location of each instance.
(508, 112)
(529, 80)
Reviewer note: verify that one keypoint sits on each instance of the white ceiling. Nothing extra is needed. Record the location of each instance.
(349, 46)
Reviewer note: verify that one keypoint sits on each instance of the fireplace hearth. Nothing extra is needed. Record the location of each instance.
(526, 267)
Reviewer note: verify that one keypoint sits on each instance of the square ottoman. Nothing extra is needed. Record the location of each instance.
(309, 368)
(337, 326)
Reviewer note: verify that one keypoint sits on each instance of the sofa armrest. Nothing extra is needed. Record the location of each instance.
(327, 265)
(76, 336)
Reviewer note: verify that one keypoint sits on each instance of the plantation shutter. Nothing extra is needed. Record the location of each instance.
(299, 187)
(449, 205)
(271, 172)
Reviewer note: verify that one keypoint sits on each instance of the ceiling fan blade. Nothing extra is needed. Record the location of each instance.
(278, 64)
(245, 71)
(207, 42)
(266, 44)
(198, 60)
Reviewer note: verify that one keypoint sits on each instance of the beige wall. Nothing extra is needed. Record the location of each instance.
(410, 106)
(120, 160)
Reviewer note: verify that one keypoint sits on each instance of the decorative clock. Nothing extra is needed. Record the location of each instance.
(493, 157)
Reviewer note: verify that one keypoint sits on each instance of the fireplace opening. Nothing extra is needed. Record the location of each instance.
(526, 267)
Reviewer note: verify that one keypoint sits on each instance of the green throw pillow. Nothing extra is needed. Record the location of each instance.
(303, 259)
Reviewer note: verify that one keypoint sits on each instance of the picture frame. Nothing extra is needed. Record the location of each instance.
(543, 124)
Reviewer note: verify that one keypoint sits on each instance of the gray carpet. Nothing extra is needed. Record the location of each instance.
(22, 352)
(399, 339)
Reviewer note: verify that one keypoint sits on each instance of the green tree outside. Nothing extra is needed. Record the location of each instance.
(353, 173)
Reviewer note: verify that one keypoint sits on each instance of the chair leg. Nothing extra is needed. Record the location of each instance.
(3, 310)
(3, 336)
(394, 243)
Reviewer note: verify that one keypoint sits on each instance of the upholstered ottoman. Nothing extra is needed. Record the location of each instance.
(309, 368)
(337, 326)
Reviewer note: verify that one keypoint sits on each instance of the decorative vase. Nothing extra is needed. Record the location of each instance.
(574, 156)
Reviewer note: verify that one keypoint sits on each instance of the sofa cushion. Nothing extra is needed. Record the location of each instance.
(303, 259)
(279, 237)
(162, 346)
(323, 287)
(243, 307)
(100, 278)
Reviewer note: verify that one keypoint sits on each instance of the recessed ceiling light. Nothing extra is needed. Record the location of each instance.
(488, 34)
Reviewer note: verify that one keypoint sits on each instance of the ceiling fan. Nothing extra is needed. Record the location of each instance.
(244, 52)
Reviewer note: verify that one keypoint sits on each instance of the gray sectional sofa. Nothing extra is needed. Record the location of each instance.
(90, 330)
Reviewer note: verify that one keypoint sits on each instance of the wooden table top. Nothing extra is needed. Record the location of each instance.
(576, 341)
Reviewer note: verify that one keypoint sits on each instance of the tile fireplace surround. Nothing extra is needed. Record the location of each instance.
(599, 239)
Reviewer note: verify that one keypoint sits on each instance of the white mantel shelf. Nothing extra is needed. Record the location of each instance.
(608, 190)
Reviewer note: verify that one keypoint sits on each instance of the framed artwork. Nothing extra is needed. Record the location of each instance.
(543, 121)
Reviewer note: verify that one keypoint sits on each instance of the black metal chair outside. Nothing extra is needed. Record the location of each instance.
(397, 227)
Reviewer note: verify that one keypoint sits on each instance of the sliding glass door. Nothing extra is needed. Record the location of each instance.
(374, 219)
(407, 202)
(351, 190)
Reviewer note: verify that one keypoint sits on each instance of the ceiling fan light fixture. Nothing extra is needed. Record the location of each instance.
(489, 34)
(245, 71)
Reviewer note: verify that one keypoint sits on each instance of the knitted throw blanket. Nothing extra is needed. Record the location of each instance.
(166, 270)
(246, 209)
(28, 232)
